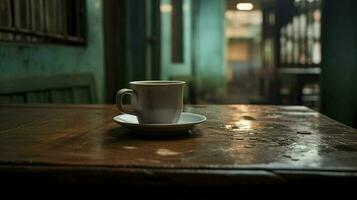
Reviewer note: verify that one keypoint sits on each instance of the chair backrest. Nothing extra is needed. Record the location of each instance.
(61, 88)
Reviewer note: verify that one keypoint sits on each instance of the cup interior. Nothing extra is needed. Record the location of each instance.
(158, 83)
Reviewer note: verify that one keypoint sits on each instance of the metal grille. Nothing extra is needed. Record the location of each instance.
(42, 21)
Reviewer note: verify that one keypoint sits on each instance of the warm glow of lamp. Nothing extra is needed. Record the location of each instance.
(165, 8)
(245, 6)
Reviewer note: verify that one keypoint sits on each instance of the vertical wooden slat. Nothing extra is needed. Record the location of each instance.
(45, 17)
(17, 98)
(60, 16)
(33, 6)
(56, 16)
(56, 96)
(82, 95)
(62, 96)
(10, 9)
(5, 99)
(3, 15)
(38, 97)
(68, 95)
(17, 18)
(5, 18)
(36, 17)
(78, 16)
(65, 16)
(53, 16)
(49, 16)
(22, 17)
(28, 16)
(41, 15)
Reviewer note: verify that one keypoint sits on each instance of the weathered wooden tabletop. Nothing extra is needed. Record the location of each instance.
(237, 145)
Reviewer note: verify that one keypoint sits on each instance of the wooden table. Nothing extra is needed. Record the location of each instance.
(239, 146)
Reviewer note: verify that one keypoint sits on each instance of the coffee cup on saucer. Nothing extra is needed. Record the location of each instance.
(154, 102)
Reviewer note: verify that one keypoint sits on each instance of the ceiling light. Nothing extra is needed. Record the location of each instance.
(245, 6)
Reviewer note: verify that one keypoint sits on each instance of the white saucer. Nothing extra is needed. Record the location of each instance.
(186, 122)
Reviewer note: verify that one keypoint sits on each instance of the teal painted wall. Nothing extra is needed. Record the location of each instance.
(339, 61)
(22, 59)
(210, 69)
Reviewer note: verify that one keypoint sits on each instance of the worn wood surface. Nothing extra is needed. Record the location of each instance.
(238, 144)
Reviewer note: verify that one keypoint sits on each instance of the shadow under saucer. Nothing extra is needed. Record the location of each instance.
(122, 133)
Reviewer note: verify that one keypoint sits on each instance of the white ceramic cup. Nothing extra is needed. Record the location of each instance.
(154, 102)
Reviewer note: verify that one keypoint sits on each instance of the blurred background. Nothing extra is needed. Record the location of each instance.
(282, 52)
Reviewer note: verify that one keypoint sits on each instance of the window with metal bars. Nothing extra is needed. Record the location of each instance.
(42, 21)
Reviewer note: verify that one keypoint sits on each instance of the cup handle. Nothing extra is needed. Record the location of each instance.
(119, 99)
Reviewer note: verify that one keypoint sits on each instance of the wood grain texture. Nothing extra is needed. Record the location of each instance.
(263, 143)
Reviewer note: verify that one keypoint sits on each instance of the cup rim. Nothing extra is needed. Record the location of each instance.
(156, 83)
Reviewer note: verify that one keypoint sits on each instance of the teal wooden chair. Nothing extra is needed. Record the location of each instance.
(61, 88)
